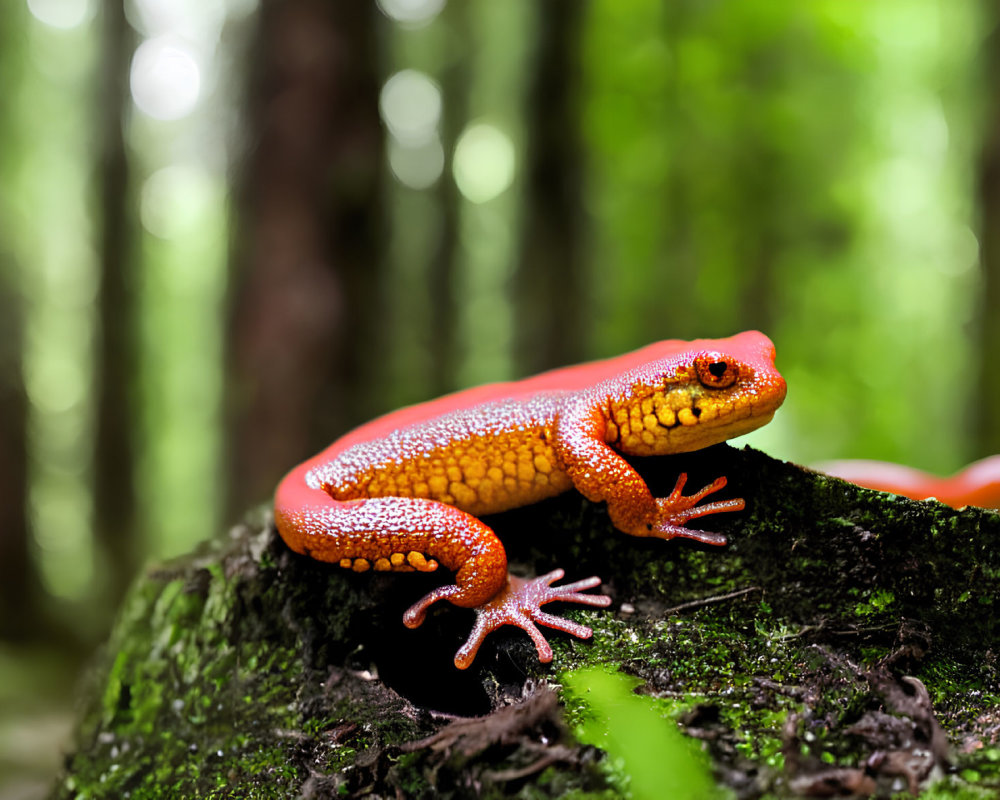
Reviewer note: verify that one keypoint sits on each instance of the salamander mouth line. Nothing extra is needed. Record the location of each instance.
(697, 411)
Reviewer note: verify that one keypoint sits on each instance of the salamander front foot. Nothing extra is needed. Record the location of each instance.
(676, 509)
(520, 602)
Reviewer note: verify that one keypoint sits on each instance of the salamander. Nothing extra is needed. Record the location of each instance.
(404, 492)
(978, 484)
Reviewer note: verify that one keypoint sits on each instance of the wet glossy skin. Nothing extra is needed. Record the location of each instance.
(403, 492)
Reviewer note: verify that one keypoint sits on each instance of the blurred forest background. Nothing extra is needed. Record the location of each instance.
(232, 229)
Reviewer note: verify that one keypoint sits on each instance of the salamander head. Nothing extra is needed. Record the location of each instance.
(688, 395)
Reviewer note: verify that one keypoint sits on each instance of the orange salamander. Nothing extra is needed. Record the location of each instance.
(404, 492)
(976, 485)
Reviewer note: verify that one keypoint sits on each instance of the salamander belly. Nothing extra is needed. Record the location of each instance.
(487, 461)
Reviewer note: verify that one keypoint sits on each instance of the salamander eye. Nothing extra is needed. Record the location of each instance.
(716, 371)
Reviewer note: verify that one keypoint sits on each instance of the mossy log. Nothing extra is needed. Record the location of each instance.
(842, 642)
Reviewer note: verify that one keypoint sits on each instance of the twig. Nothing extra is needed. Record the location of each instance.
(704, 601)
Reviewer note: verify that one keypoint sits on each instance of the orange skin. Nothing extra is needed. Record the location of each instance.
(976, 485)
(403, 492)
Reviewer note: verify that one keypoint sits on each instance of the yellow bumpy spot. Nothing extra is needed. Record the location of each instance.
(361, 565)
(666, 416)
(346, 563)
(397, 559)
(464, 496)
(382, 565)
(709, 411)
(419, 563)
(543, 465)
(486, 491)
(686, 417)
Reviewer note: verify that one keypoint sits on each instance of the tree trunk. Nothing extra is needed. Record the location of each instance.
(118, 414)
(551, 275)
(19, 586)
(444, 349)
(19, 589)
(307, 254)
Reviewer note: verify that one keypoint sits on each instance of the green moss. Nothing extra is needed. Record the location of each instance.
(874, 603)
(165, 725)
(953, 789)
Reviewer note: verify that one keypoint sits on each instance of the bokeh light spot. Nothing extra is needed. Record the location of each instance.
(63, 14)
(173, 200)
(484, 162)
(165, 78)
(411, 12)
(410, 105)
(191, 19)
(57, 384)
(418, 167)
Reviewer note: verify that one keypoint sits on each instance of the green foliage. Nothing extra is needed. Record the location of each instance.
(656, 759)
(802, 168)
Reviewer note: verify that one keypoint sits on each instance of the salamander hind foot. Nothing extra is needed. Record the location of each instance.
(519, 603)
